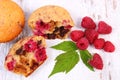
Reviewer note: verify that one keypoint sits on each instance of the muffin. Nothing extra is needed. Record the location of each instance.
(11, 20)
(26, 55)
(51, 22)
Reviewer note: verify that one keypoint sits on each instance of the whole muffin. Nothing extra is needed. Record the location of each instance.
(11, 20)
(51, 22)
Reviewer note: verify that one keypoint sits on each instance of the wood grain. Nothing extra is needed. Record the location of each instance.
(106, 10)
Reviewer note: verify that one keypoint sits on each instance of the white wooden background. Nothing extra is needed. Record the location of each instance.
(107, 10)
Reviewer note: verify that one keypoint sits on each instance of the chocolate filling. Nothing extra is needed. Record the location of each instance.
(34, 65)
(39, 42)
(56, 30)
(19, 51)
(61, 31)
(51, 36)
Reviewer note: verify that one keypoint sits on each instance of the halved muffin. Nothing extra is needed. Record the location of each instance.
(51, 22)
(26, 55)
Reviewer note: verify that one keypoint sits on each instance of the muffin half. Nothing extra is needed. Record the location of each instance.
(26, 55)
(51, 22)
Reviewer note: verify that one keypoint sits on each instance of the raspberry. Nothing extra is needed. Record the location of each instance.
(40, 54)
(104, 28)
(96, 61)
(91, 35)
(99, 43)
(30, 46)
(76, 35)
(68, 27)
(38, 32)
(10, 65)
(40, 28)
(82, 43)
(88, 23)
(109, 47)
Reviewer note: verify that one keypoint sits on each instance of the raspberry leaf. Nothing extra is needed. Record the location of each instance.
(86, 56)
(65, 46)
(65, 62)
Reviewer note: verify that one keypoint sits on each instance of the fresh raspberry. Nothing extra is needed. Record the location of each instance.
(104, 28)
(40, 54)
(82, 43)
(109, 47)
(91, 35)
(10, 65)
(99, 43)
(76, 35)
(96, 61)
(88, 23)
(30, 46)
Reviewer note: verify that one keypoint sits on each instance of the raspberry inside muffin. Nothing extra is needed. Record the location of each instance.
(52, 29)
(26, 55)
(51, 22)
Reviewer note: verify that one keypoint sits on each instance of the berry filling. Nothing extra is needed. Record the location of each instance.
(10, 65)
(58, 32)
(68, 27)
(40, 54)
(40, 28)
(30, 46)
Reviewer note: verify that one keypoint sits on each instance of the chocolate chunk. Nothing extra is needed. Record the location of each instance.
(27, 64)
(19, 51)
(41, 23)
(51, 36)
(61, 28)
(63, 32)
(23, 53)
(34, 65)
(56, 30)
(39, 42)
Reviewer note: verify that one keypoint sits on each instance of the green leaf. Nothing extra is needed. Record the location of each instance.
(65, 62)
(86, 56)
(65, 46)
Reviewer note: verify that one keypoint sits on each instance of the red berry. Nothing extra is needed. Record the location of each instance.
(40, 28)
(88, 23)
(96, 61)
(10, 65)
(76, 35)
(91, 35)
(99, 43)
(82, 43)
(104, 28)
(109, 47)
(40, 54)
(30, 46)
